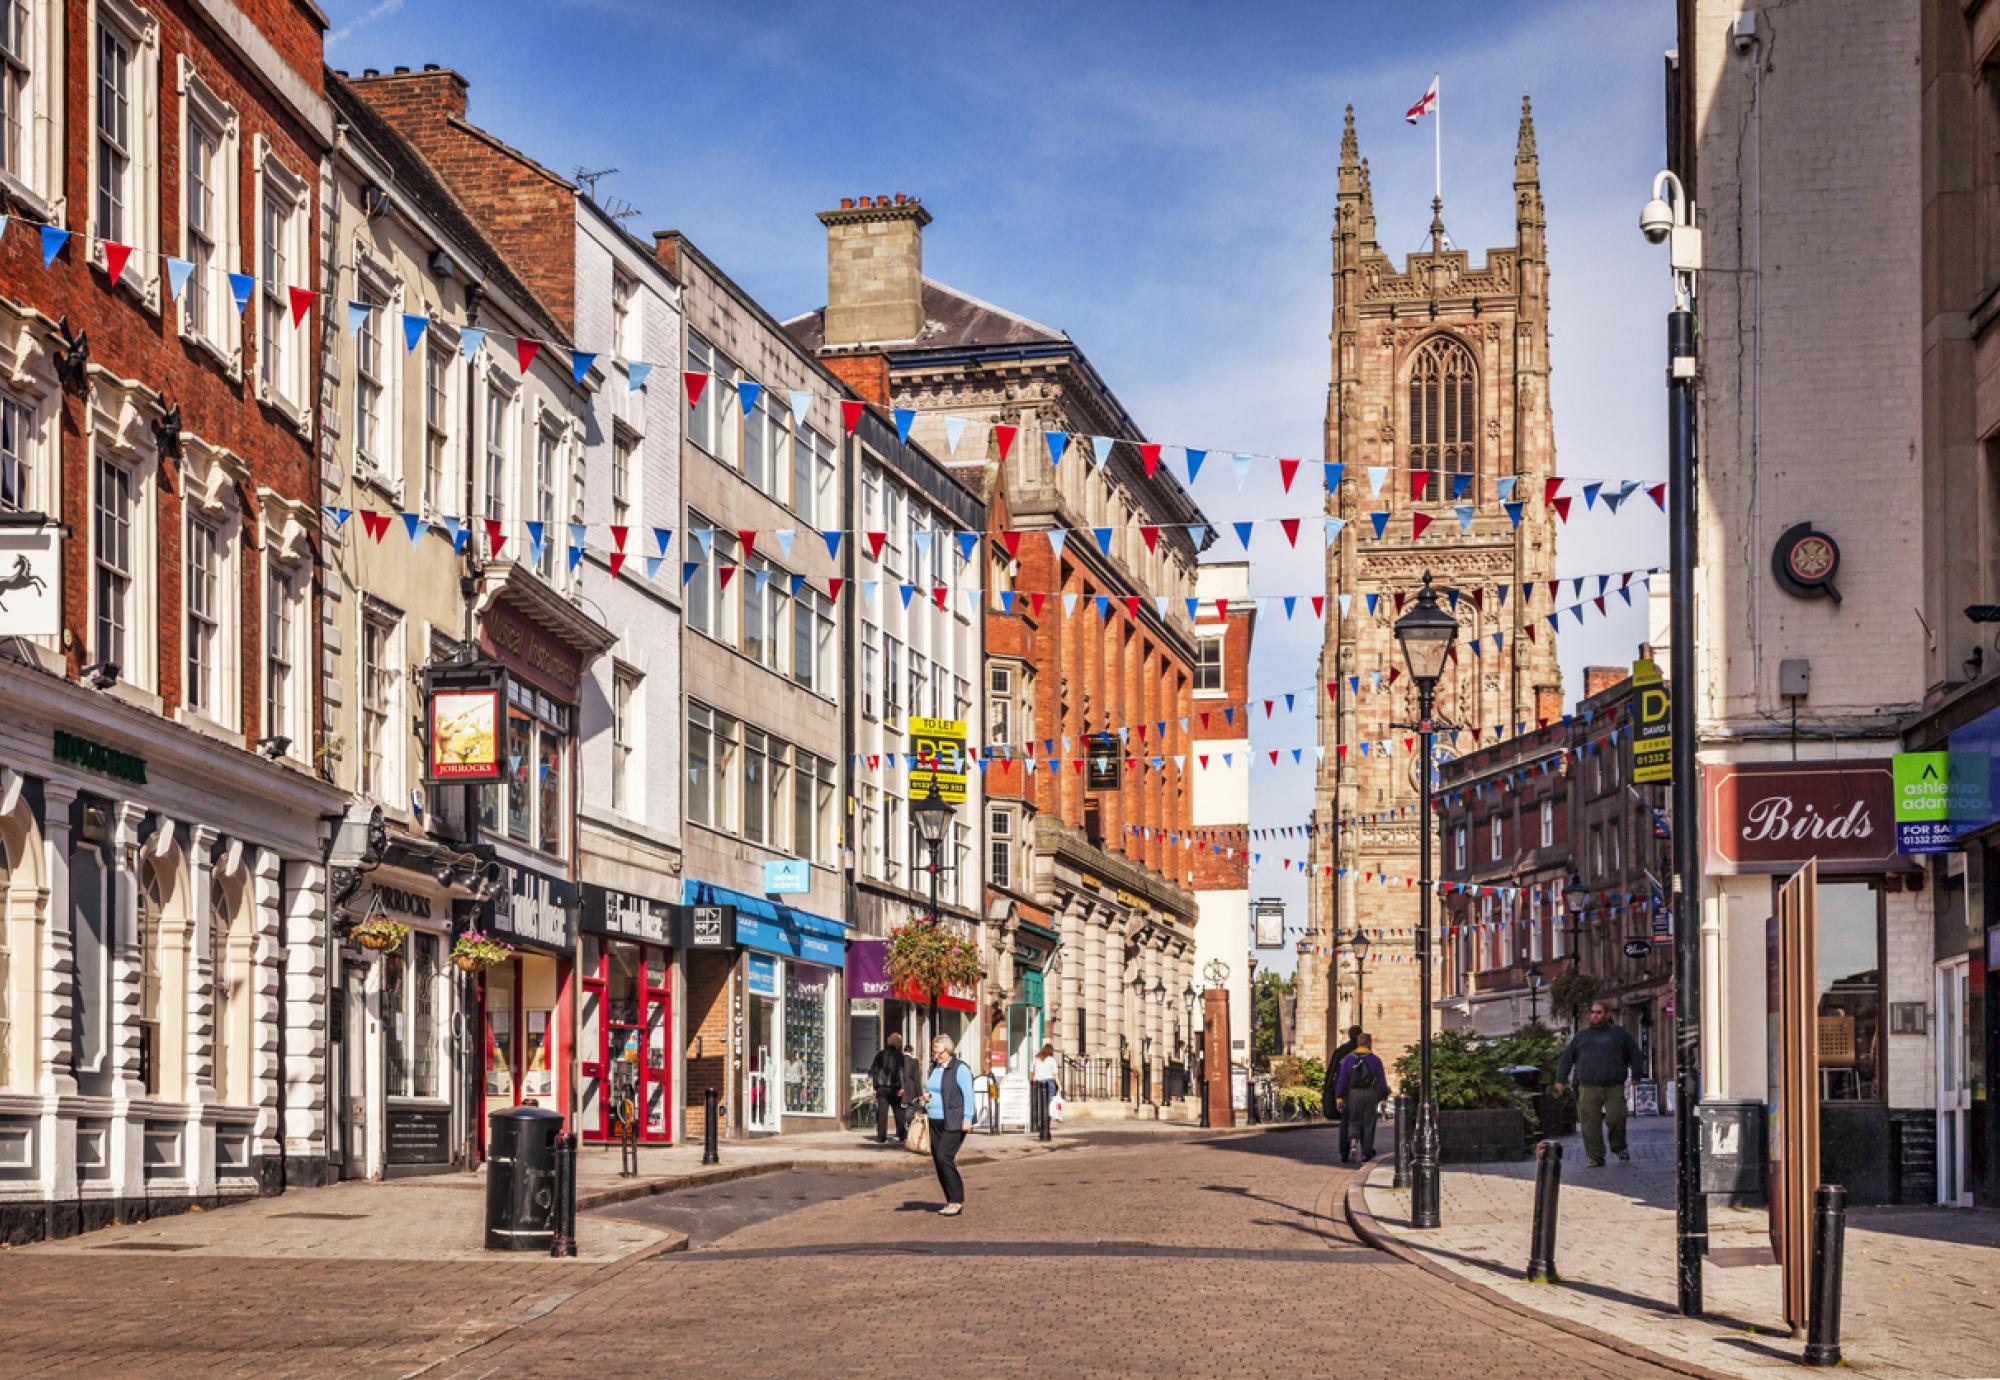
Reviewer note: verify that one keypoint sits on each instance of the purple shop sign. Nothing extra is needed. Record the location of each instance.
(867, 968)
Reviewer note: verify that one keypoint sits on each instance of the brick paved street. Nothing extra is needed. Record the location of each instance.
(1126, 1255)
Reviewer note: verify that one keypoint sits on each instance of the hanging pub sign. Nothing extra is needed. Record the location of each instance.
(465, 721)
(30, 576)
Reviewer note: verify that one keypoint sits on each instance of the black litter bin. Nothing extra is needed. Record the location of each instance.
(1732, 1151)
(521, 1179)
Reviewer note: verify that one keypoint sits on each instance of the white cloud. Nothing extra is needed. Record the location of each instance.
(382, 9)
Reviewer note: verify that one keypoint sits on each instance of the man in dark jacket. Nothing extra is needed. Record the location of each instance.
(1330, 1104)
(1358, 1092)
(1601, 1056)
(886, 1073)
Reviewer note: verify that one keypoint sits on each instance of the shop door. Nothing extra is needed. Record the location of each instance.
(764, 1055)
(503, 1054)
(656, 1079)
(353, 998)
(1954, 1083)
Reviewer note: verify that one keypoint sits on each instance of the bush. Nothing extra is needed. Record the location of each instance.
(1465, 1072)
(1298, 1102)
(1295, 1071)
(1531, 1044)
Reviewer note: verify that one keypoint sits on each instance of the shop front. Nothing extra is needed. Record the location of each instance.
(625, 981)
(527, 1002)
(786, 1024)
(1034, 948)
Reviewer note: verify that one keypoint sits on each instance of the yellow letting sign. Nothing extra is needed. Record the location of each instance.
(1652, 735)
(939, 747)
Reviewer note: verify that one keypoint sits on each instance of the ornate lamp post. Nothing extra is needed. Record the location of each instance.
(1426, 634)
(933, 820)
(1358, 943)
(1534, 993)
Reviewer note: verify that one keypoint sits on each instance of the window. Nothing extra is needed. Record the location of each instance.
(115, 513)
(812, 477)
(1444, 409)
(426, 1029)
(999, 706)
(756, 784)
(892, 521)
(369, 385)
(871, 670)
(759, 461)
(437, 429)
(116, 131)
(701, 412)
(204, 604)
(625, 334)
(813, 641)
(204, 172)
(700, 766)
(1534, 925)
(712, 606)
(623, 443)
(1000, 847)
(1848, 990)
(18, 436)
(892, 683)
(812, 806)
(379, 778)
(499, 450)
(894, 840)
(1458, 847)
(547, 446)
(624, 736)
(17, 75)
(1497, 829)
(282, 263)
(1597, 851)
(280, 623)
(1548, 823)
(528, 802)
(1208, 663)
(869, 831)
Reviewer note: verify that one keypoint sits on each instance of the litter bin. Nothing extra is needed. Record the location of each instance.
(521, 1179)
(1732, 1151)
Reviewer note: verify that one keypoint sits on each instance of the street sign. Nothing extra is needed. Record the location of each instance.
(938, 745)
(1923, 802)
(1637, 948)
(1653, 735)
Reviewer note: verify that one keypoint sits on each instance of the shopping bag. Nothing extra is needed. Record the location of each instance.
(920, 1136)
(1055, 1109)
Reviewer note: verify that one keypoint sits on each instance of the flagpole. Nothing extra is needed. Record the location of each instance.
(1437, 133)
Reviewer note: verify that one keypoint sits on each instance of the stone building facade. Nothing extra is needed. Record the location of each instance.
(1111, 687)
(1440, 379)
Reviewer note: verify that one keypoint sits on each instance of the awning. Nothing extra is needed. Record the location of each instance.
(765, 925)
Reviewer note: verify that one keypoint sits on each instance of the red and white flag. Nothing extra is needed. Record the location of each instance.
(1427, 104)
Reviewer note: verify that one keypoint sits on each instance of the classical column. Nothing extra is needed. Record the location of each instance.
(266, 940)
(1111, 935)
(1075, 916)
(1150, 1008)
(202, 1073)
(303, 972)
(1098, 1026)
(54, 1049)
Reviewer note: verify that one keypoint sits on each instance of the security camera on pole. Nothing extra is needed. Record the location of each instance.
(1672, 223)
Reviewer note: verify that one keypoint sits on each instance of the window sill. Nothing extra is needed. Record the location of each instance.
(136, 695)
(211, 728)
(230, 361)
(28, 199)
(370, 479)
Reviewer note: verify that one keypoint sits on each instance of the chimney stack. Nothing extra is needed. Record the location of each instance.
(874, 270)
(1548, 704)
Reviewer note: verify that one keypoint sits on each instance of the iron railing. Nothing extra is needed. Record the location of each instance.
(1088, 1079)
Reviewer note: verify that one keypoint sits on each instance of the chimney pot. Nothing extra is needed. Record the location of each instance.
(370, 72)
(402, 71)
(882, 200)
(847, 203)
(900, 198)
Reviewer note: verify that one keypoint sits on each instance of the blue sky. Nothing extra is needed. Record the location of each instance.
(1156, 179)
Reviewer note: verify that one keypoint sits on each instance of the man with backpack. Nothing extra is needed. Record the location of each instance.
(1358, 1093)
(886, 1073)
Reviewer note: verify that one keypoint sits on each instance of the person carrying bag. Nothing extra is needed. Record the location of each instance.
(948, 1108)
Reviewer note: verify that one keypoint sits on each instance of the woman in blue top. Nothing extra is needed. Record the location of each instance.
(949, 1106)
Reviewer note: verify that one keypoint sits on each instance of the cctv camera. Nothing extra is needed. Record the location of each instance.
(1743, 33)
(1656, 221)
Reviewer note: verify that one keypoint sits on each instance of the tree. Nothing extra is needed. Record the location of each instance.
(1266, 1022)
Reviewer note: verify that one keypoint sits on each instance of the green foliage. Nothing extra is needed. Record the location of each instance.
(1531, 1044)
(1265, 1022)
(1298, 1071)
(930, 958)
(1299, 1102)
(1572, 992)
(1465, 1072)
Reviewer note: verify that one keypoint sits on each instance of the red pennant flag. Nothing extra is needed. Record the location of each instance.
(1142, 733)
(617, 563)
(1394, 671)
(1341, 752)
(938, 595)
(1418, 522)
(1035, 602)
(1409, 744)
(302, 300)
(1552, 590)
(1400, 596)
(723, 573)
(1319, 605)
(1151, 536)
(1204, 718)
(1551, 487)
(1288, 470)
(1222, 608)
(1274, 757)
(1076, 765)
(749, 540)
(1420, 480)
(1479, 599)
(618, 535)
(1269, 707)
(1150, 453)
(1132, 611)
(875, 540)
(1291, 526)
(525, 351)
(1562, 509)
(1333, 689)
(1658, 493)
(1003, 436)
(1528, 630)
(1202, 758)
(833, 587)
(115, 255)
(1012, 541)
(1599, 601)
(850, 415)
(695, 383)
(374, 523)
(495, 538)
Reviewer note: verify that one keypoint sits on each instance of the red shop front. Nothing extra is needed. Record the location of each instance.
(625, 981)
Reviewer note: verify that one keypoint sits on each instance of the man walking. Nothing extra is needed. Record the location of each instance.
(1329, 1104)
(1358, 1093)
(1601, 1056)
(886, 1073)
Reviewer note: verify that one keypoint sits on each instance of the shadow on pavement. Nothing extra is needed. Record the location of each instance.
(1127, 1250)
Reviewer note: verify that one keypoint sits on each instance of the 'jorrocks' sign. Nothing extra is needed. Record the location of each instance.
(1773, 816)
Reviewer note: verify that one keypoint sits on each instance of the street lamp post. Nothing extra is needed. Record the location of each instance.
(1426, 634)
(933, 817)
(1672, 224)
(1358, 942)
(1534, 994)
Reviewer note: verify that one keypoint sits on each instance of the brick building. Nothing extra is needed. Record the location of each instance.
(160, 796)
(1113, 669)
(1440, 383)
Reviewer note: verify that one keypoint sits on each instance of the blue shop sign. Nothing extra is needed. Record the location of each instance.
(787, 877)
(763, 976)
(1973, 758)
(770, 928)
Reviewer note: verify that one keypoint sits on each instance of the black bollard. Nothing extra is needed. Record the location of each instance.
(1542, 1235)
(1829, 1248)
(712, 1108)
(1401, 1172)
(564, 1244)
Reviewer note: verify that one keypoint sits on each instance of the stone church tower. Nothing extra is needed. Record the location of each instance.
(1441, 377)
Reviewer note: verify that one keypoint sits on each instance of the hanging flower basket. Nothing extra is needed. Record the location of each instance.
(383, 936)
(927, 957)
(475, 952)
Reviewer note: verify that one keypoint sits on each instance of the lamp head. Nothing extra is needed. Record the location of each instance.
(1425, 634)
(932, 815)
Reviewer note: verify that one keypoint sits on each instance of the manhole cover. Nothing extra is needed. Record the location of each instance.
(147, 1246)
(322, 1216)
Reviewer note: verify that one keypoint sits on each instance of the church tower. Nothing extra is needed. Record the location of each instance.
(1440, 387)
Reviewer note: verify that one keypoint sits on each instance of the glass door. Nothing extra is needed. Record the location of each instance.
(502, 1052)
(1954, 1098)
(353, 998)
(658, 990)
(765, 1051)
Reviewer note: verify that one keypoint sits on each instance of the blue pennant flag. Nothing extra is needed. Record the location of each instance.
(1371, 598)
(413, 523)
(746, 394)
(579, 365)
(459, 532)
(1381, 521)
(1194, 606)
(968, 542)
(635, 376)
(1243, 532)
(652, 568)
(339, 515)
(1006, 601)
(177, 271)
(1334, 470)
(535, 543)
(1197, 533)
(904, 417)
(1290, 601)
(1503, 596)
(1354, 685)
(832, 538)
(1513, 513)
(414, 327)
(798, 583)
(706, 537)
(1229, 715)
(54, 237)
(1058, 441)
(906, 591)
(1103, 607)
(688, 569)
(1103, 535)
(1056, 539)
(1464, 511)
(1506, 487)
(1241, 465)
(663, 537)
(357, 316)
(1590, 494)
(241, 285)
(1459, 484)
(1194, 459)
(469, 341)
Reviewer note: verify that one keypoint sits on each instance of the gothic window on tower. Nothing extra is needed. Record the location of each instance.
(1444, 408)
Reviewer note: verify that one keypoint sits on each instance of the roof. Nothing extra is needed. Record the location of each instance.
(953, 320)
(417, 182)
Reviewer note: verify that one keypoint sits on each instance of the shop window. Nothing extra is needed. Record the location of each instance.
(395, 1024)
(1849, 992)
(500, 1050)
(425, 1029)
(808, 1032)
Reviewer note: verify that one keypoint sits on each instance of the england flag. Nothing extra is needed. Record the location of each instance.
(1426, 105)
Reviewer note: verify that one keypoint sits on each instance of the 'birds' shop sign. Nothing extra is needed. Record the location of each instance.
(1775, 816)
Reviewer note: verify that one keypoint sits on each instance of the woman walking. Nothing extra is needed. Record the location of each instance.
(949, 1106)
(1042, 1083)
